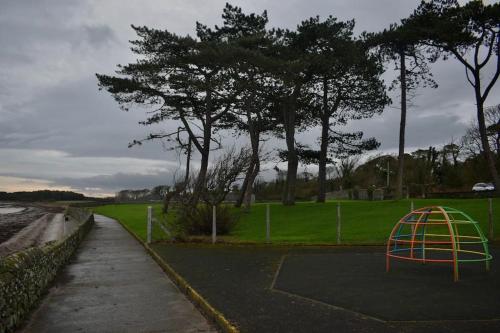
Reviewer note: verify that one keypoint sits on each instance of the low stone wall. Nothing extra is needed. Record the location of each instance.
(78, 214)
(25, 275)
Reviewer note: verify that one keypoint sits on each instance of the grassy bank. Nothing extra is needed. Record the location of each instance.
(362, 221)
(133, 215)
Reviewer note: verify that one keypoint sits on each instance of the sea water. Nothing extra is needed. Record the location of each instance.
(7, 209)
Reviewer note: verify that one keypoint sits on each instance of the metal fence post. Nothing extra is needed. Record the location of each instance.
(412, 208)
(490, 219)
(150, 222)
(338, 223)
(214, 225)
(268, 224)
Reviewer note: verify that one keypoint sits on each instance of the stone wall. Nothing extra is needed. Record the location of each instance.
(378, 194)
(25, 275)
(340, 194)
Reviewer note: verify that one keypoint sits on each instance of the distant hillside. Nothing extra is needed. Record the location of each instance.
(44, 195)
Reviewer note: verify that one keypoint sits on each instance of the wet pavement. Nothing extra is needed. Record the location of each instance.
(113, 285)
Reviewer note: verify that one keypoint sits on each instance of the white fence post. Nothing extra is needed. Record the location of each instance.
(338, 223)
(150, 222)
(490, 219)
(214, 225)
(268, 224)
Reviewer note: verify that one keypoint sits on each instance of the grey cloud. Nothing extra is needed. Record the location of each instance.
(14, 58)
(50, 165)
(50, 101)
(25, 22)
(99, 35)
(421, 131)
(78, 119)
(118, 181)
(369, 15)
(14, 138)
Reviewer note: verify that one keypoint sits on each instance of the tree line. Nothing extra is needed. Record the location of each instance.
(44, 195)
(248, 79)
(453, 167)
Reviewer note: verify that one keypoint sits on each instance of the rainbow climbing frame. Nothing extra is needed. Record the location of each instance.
(438, 234)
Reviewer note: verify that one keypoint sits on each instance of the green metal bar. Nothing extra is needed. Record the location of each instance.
(485, 245)
(476, 260)
(485, 240)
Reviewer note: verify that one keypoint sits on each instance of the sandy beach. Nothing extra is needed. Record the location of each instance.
(14, 217)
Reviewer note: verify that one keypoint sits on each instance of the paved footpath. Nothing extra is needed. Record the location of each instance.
(113, 285)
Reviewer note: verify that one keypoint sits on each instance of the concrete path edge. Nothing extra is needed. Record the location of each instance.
(199, 301)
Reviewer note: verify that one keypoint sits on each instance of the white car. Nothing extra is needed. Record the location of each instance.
(483, 187)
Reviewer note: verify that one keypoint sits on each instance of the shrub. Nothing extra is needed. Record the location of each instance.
(189, 221)
(200, 220)
(195, 218)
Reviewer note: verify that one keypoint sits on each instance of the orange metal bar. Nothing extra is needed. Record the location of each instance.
(412, 244)
(387, 258)
(406, 252)
(453, 244)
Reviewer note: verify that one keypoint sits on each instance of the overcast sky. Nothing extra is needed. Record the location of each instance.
(58, 131)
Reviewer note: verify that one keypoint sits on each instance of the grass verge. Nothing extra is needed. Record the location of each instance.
(362, 222)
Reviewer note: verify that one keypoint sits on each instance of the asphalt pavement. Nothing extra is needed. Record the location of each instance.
(113, 285)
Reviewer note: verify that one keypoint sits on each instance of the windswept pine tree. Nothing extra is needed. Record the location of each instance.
(179, 78)
(471, 34)
(345, 85)
(247, 34)
(400, 45)
(291, 75)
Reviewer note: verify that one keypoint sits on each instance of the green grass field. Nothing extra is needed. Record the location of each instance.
(363, 222)
(133, 215)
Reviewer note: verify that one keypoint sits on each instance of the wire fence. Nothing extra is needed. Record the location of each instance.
(335, 222)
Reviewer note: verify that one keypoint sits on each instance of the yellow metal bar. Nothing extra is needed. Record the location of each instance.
(439, 249)
(474, 252)
(460, 236)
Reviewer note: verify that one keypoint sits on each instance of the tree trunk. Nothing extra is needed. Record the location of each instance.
(291, 179)
(202, 174)
(402, 126)
(497, 141)
(188, 162)
(254, 168)
(484, 137)
(244, 186)
(200, 180)
(323, 153)
(255, 141)
(289, 113)
(251, 180)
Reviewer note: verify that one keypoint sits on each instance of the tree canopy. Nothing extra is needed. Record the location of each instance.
(243, 78)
